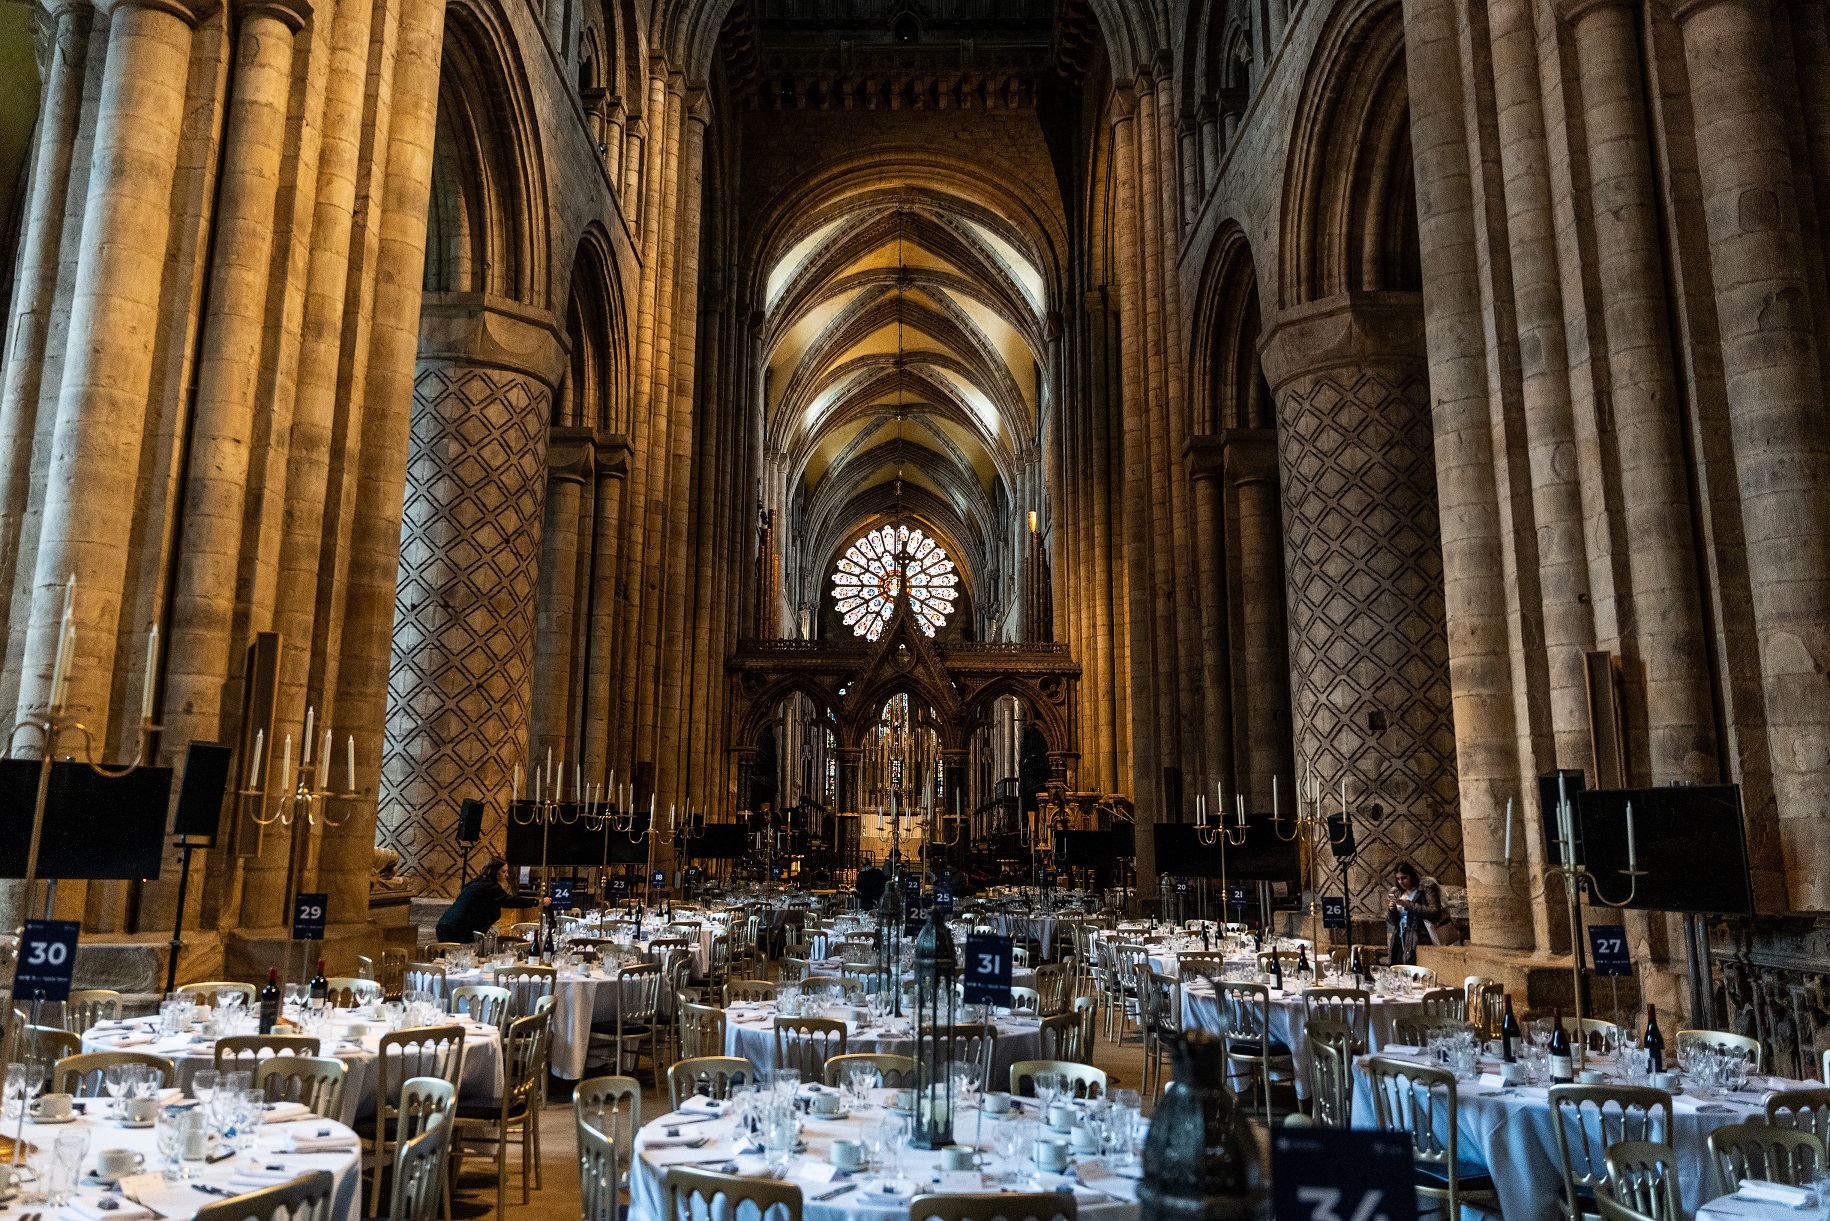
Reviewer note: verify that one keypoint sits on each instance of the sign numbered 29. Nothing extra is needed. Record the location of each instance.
(987, 969)
(47, 957)
(308, 917)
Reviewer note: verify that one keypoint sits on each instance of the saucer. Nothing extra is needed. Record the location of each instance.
(71, 1118)
(134, 1123)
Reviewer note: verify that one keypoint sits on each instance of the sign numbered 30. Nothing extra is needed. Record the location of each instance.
(47, 957)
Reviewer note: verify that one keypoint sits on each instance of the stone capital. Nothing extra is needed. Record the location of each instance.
(1204, 456)
(1573, 11)
(293, 14)
(1123, 105)
(492, 332)
(192, 12)
(1251, 455)
(612, 453)
(1683, 10)
(1355, 328)
(569, 454)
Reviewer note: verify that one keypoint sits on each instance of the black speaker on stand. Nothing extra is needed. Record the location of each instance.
(470, 830)
(200, 793)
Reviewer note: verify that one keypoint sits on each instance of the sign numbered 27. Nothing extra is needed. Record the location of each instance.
(47, 958)
(1608, 942)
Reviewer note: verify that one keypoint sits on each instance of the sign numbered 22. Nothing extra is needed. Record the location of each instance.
(308, 917)
(47, 957)
(1337, 1174)
(987, 969)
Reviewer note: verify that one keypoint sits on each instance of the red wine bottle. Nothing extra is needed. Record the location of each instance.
(270, 1001)
(1302, 960)
(1562, 1065)
(1655, 1042)
(1277, 971)
(1509, 1033)
(320, 987)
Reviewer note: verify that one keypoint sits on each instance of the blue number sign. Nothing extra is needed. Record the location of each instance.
(1608, 944)
(1337, 1174)
(47, 956)
(562, 894)
(987, 974)
(660, 877)
(1235, 893)
(1334, 911)
(308, 917)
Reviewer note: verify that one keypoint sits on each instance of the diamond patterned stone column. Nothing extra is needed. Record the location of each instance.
(460, 680)
(1363, 565)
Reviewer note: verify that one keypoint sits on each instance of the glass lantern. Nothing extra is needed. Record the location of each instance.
(888, 976)
(936, 1013)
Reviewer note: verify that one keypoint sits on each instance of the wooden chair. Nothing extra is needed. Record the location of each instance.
(484, 1003)
(1415, 1029)
(349, 991)
(748, 990)
(1598, 1035)
(391, 973)
(702, 1030)
(805, 1043)
(1081, 1078)
(87, 1006)
(693, 1193)
(811, 982)
(1589, 1119)
(1808, 1110)
(715, 1076)
(1059, 1038)
(1721, 1040)
(1329, 1047)
(314, 1081)
(1420, 977)
(206, 992)
(1025, 1000)
(1054, 985)
(793, 969)
(417, 1054)
(638, 1012)
(898, 1072)
(1760, 1151)
(525, 982)
(307, 1198)
(598, 1175)
(1420, 1101)
(1201, 966)
(1445, 1003)
(718, 960)
(611, 1107)
(517, 1112)
(1161, 998)
(425, 977)
(1251, 1051)
(1484, 1004)
(419, 1172)
(82, 1074)
(1642, 1183)
(46, 1044)
(1087, 1009)
(1350, 1005)
(245, 1051)
(996, 1206)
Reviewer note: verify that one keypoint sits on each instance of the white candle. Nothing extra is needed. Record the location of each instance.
(152, 675)
(305, 742)
(1239, 800)
(578, 781)
(1200, 809)
(559, 785)
(324, 761)
(651, 811)
(670, 816)
(1343, 796)
(1632, 845)
(66, 646)
(514, 793)
(1508, 857)
(349, 744)
(1273, 797)
(254, 769)
(547, 778)
(1563, 826)
(286, 767)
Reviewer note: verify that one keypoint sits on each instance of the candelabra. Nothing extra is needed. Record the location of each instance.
(304, 797)
(1309, 830)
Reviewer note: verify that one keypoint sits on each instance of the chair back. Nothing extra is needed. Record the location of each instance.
(1598, 1036)
(1060, 1037)
(1245, 1015)
(1760, 1151)
(524, 1050)
(82, 1074)
(1200, 966)
(996, 1206)
(1415, 1029)
(1485, 1001)
(702, 1030)
(638, 997)
(1054, 985)
(525, 983)
(1329, 1046)
(1350, 1005)
(1808, 1110)
(805, 1043)
(1083, 1079)
(695, 1193)
(419, 1172)
(307, 1198)
(1590, 1119)
(611, 1107)
(748, 990)
(898, 1072)
(1642, 1183)
(812, 982)
(1025, 1000)
(793, 968)
(484, 1003)
(1720, 1040)
(206, 991)
(391, 973)
(598, 1174)
(87, 1006)
(348, 991)
(245, 1051)
(417, 1053)
(424, 977)
(1445, 1003)
(713, 1076)
(315, 1081)
(1419, 1101)
(1130, 957)
(46, 1044)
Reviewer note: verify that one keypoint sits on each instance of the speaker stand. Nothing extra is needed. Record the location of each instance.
(464, 870)
(176, 943)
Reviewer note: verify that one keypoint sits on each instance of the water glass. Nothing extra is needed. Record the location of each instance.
(858, 1086)
(966, 1084)
(67, 1154)
(168, 1134)
(781, 1132)
(1012, 1141)
(14, 1090)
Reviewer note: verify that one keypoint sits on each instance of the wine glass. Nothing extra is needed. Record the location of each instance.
(859, 1083)
(203, 1084)
(1009, 1142)
(115, 1079)
(781, 1133)
(966, 1084)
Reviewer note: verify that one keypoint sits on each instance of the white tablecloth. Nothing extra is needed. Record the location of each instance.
(647, 1202)
(178, 1202)
(1511, 1132)
(1733, 1208)
(1289, 1019)
(188, 1053)
(749, 1031)
(578, 1000)
(1040, 928)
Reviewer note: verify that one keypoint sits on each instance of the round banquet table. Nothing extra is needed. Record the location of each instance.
(722, 1151)
(580, 997)
(267, 1165)
(189, 1052)
(749, 1031)
(1289, 1019)
(1511, 1131)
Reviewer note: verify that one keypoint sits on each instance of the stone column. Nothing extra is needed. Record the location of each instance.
(851, 758)
(460, 680)
(1776, 401)
(114, 316)
(1364, 572)
(612, 469)
(1264, 652)
(568, 461)
(1203, 458)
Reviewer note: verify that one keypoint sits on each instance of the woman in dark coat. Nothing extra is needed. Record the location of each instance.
(1412, 905)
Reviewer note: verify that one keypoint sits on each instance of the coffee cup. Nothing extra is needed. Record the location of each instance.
(847, 1154)
(1052, 1154)
(902, 1100)
(1084, 1140)
(1512, 1074)
(1590, 1076)
(826, 1102)
(1061, 1117)
(997, 1103)
(139, 1110)
(112, 1164)
(1665, 1081)
(52, 1106)
(958, 1157)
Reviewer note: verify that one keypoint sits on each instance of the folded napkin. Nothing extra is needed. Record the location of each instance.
(309, 1142)
(660, 1140)
(108, 1207)
(255, 1173)
(699, 1103)
(285, 1112)
(1096, 1175)
(1768, 1192)
(132, 1040)
(680, 1119)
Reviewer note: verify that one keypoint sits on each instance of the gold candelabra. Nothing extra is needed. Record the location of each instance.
(302, 797)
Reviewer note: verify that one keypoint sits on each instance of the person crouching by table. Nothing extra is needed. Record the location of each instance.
(870, 884)
(1413, 907)
(479, 905)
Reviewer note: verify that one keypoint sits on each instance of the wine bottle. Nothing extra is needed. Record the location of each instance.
(270, 1001)
(1302, 961)
(1509, 1033)
(1204, 945)
(320, 988)
(1655, 1042)
(1277, 971)
(1562, 1065)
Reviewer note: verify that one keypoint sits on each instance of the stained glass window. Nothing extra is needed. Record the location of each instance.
(876, 569)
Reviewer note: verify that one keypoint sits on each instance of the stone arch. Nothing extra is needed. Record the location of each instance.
(596, 392)
(760, 712)
(1350, 205)
(1044, 714)
(1229, 388)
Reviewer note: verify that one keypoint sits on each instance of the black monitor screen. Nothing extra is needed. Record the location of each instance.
(1262, 856)
(1691, 845)
(722, 841)
(95, 826)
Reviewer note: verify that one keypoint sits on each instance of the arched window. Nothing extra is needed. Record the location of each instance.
(880, 566)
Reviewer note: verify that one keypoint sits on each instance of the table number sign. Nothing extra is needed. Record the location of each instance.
(987, 966)
(1235, 893)
(1337, 1174)
(1181, 888)
(659, 879)
(562, 894)
(692, 875)
(619, 888)
(1334, 911)
(47, 958)
(308, 917)
(1608, 946)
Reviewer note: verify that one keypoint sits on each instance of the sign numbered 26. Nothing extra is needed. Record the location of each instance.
(47, 957)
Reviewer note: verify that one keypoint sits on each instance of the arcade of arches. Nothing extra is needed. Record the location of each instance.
(1111, 401)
